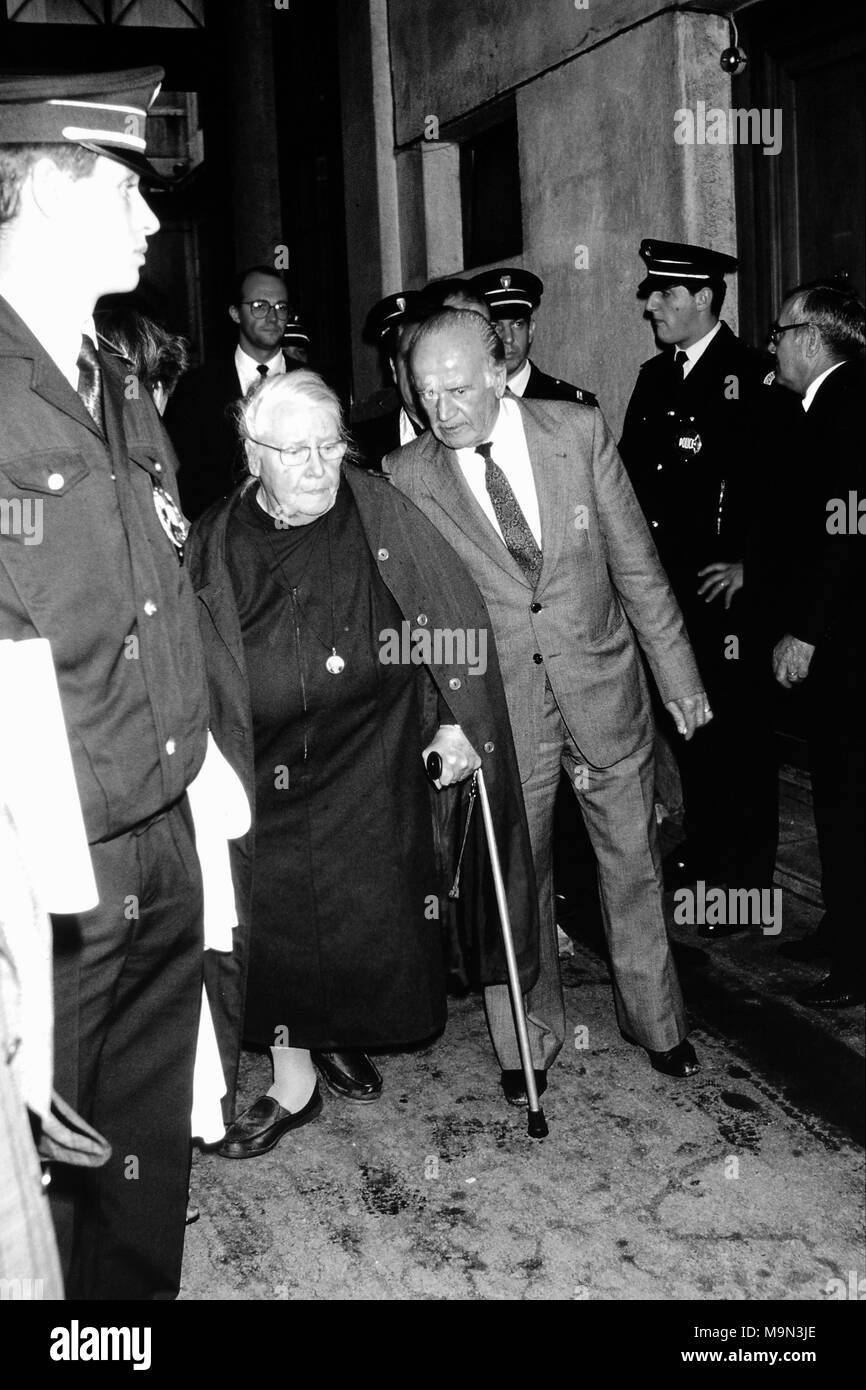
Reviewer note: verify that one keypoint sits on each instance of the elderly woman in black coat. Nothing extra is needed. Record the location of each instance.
(345, 642)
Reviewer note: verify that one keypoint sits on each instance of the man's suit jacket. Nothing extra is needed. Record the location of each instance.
(601, 583)
(824, 595)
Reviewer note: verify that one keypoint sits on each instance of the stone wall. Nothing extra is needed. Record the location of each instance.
(596, 91)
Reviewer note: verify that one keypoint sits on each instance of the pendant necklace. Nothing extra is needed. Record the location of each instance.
(335, 664)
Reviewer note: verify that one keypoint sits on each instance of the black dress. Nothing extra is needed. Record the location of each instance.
(345, 945)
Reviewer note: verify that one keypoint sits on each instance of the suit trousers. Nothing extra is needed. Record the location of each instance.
(127, 985)
(837, 761)
(617, 805)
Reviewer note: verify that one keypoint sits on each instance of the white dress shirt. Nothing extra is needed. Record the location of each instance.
(810, 394)
(511, 453)
(408, 431)
(247, 367)
(519, 382)
(697, 350)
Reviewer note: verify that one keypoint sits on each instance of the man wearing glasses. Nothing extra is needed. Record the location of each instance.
(818, 344)
(205, 440)
(692, 446)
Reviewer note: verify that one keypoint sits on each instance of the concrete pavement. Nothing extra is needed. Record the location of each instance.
(742, 1183)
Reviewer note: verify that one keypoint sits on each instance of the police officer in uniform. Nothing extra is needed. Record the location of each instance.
(390, 324)
(296, 341)
(692, 446)
(513, 296)
(107, 588)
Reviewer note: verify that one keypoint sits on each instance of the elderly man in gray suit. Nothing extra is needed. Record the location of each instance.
(534, 498)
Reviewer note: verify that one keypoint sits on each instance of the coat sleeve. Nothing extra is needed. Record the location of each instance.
(637, 574)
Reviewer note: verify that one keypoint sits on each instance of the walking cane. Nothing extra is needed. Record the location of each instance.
(536, 1123)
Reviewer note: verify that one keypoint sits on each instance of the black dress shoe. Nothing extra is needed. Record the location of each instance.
(807, 950)
(350, 1075)
(513, 1085)
(678, 1061)
(263, 1125)
(831, 993)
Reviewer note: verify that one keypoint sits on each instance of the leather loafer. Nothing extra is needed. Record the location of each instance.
(513, 1085)
(349, 1075)
(681, 1061)
(831, 993)
(263, 1125)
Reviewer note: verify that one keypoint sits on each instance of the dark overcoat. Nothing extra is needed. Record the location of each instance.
(434, 592)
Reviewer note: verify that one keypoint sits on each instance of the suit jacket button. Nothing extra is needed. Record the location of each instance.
(421, 620)
(535, 607)
(382, 554)
(489, 747)
(55, 481)
(454, 683)
(537, 658)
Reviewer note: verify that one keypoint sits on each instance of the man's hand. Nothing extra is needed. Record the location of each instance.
(721, 578)
(459, 759)
(690, 713)
(791, 660)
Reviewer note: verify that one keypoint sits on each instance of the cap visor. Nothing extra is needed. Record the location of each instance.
(139, 163)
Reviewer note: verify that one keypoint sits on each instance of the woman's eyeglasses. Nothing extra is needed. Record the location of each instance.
(330, 451)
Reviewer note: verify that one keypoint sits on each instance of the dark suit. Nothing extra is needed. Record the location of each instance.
(693, 450)
(823, 602)
(104, 586)
(541, 387)
(571, 668)
(206, 440)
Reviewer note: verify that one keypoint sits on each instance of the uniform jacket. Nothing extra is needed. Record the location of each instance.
(601, 584)
(434, 592)
(377, 437)
(541, 387)
(102, 584)
(692, 449)
(205, 438)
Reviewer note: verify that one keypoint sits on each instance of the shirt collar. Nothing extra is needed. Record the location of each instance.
(813, 389)
(698, 349)
(248, 368)
(518, 383)
(501, 432)
(60, 339)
